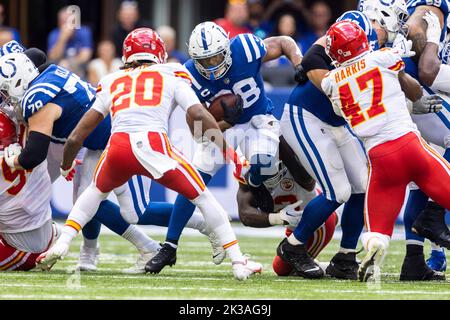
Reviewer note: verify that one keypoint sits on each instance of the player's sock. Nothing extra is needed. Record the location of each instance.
(417, 202)
(109, 215)
(217, 219)
(182, 213)
(315, 215)
(352, 221)
(140, 240)
(260, 169)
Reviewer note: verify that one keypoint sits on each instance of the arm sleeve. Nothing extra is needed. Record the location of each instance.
(185, 96)
(103, 101)
(316, 59)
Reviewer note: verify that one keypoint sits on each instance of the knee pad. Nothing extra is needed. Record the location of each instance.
(343, 193)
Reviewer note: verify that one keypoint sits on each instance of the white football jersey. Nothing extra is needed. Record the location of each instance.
(286, 191)
(24, 198)
(367, 93)
(143, 99)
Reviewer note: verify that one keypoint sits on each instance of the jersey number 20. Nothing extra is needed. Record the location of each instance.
(352, 109)
(144, 91)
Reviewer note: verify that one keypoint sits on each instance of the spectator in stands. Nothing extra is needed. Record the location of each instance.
(6, 35)
(320, 18)
(129, 19)
(257, 22)
(236, 18)
(7, 32)
(70, 44)
(105, 64)
(169, 35)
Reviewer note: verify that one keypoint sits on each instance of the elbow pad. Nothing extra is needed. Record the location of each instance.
(35, 151)
(316, 58)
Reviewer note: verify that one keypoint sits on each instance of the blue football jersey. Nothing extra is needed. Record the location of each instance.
(244, 78)
(310, 98)
(63, 88)
(441, 4)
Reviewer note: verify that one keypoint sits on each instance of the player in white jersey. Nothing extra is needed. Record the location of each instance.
(280, 201)
(141, 98)
(26, 228)
(367, 90)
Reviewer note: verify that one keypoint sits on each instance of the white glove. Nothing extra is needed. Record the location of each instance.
(403, 46)
(11, 153)
(434, 29)
(428, 104)
(48, 259)
(291, 216)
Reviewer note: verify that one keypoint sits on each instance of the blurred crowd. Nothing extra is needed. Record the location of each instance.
(75, 48)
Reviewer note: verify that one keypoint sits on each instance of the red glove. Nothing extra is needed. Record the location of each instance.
(231, 156)
(69, 175)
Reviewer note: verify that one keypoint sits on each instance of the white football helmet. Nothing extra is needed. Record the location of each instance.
(210, 48)
(17, 71)
(390, 14)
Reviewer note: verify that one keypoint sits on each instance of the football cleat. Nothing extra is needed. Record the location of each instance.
(415, 269)
(139, 267)
(167, 256)
(218, 252)
(48, 259)
(243, 270)
(299, 259)
(438, 261)
(431, 225)
(88, 259)
(371, 264)
(343, 266)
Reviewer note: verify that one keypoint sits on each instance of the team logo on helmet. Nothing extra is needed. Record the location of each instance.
(8, 72)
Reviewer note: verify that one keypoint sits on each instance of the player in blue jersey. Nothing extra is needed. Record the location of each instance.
(220, 65)
(336, 158)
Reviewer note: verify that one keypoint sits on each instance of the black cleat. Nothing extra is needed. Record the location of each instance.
(415, 269)
(299, 259)
(431, 225)
(167, 256)
(344, 267)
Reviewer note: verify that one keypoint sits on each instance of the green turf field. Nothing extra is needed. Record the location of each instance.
(195, 277)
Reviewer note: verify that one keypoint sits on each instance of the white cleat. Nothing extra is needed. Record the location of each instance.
(139, 267)
(370, 268)
(243, 270)
(48, 259)
(218, 252)
(88, 259)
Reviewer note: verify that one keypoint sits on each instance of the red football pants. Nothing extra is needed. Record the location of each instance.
(118, 164)
(315, 245)
(12, 259)
(393, 166)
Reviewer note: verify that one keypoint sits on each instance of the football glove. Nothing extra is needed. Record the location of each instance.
(428, 104)
(69, 175)
(301, 76)
(291, 216)
(232, 114)
(11, 153)
(434, 29)
(403, 46)
(230, 155)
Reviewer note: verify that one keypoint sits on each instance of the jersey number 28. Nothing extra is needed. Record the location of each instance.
(351, 109)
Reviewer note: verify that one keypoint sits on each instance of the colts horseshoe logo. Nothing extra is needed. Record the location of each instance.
(10, 72)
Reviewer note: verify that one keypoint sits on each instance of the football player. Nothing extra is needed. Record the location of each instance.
(280, 202)
(368, 89)
(220, 65)
(141, 98)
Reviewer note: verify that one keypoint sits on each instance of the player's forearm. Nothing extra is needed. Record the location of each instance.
(254, 218)
(410, 87)
(71, 150)
(291, 50)
(429, 64)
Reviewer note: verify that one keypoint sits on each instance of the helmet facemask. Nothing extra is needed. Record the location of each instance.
(214, 67)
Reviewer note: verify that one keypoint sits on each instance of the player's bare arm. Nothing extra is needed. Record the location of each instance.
(410, 86)
(299, 173)
(249, 212)
(40, 127)
(74, 143)
(417, 28)
(283, 46)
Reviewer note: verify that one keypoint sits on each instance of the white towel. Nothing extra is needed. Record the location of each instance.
(156, 163)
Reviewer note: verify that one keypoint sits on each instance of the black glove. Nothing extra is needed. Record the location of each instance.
(301, 76)
(232, 114)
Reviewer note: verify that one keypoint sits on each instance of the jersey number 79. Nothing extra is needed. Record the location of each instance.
(351, 109)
